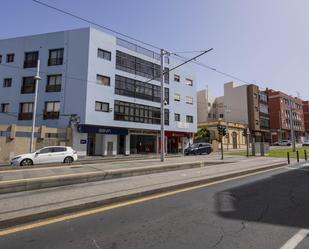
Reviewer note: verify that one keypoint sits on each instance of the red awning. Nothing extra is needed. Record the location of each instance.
(177, 134)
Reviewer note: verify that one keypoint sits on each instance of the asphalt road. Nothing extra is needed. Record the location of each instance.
(264, 211)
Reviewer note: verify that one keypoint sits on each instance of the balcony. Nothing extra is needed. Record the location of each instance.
(30, 63)
(51, 115)
(25, 116)
(55, 61)
(53, 88)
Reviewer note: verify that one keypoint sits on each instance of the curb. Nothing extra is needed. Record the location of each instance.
(66, 210)
(20, 185)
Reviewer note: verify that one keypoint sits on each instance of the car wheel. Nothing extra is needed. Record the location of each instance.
(68, 159)
(26, 162)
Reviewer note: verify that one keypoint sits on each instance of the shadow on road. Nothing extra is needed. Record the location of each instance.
(282, 199)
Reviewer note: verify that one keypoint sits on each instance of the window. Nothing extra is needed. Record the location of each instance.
(5, 107)
(10, 58)
(55, 57)
(166, 116)
(177, 117)
(137, 89)
(31, 59)
(54, 83)
(221, 115)
(209, 115)
(59, 149)
(103, 80)
(52, 110)
(104, 54)
(189, 100)
(167, 95)
(101, 106)
(189, 82)
(46, 150)
(176, 78)
(132, 112)
(28, 85)
(25, 111)
(189, 119)
(7, 82)
(137, 66)
(209, 104)
(0, 58)
(176, 97)
(166, 75)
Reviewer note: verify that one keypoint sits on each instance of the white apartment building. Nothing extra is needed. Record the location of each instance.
(102, 83)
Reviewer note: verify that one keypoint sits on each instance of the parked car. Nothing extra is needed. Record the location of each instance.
(50, 154)
(283, 143)
(198, 149)
(306, 143)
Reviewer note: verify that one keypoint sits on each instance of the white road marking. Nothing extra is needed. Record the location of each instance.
(296, 239)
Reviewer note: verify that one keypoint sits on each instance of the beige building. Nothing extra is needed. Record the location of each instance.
(15, 140)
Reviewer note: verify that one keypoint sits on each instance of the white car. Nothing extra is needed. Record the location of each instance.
(283, 143)
(50, 154)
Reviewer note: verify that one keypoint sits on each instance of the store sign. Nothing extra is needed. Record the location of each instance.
(102, 130)
(83, 141)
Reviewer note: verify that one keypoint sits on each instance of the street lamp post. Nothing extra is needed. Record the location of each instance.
(36, 78)
(227, 111)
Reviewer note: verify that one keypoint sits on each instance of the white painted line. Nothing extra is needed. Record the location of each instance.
(296, 239)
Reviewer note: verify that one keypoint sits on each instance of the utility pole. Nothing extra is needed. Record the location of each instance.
(162, 105)
(292, 126)
(36, 78)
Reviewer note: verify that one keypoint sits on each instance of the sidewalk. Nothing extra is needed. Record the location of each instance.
(17, 208)
(24, 179)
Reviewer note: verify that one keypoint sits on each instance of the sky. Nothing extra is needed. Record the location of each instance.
(265, 42)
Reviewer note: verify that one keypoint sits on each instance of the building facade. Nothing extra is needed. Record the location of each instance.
(306, 117)
(280, 106)
(106, 88)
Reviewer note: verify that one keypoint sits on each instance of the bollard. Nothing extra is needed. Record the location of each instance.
(305, 155)
(288, 155)
(297, 155)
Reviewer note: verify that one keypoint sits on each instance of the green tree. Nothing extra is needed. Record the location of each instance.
(203, 134)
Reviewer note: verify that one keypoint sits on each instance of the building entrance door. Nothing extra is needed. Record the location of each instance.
(91, 144)
(234, 137)
(121, 144)
(110, 148)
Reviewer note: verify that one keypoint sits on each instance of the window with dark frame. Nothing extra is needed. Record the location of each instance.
(10, 58)
(104, 54)
(31, 59)
(132, 112)
(54, 83)
(28, 85)
(101, 106)
(103, 80)
(167, 95)
(189, 82)
(189, 119)
(7, 82)
(176, 78)
(52, 110)
(5, 107)
(177, 117)
(25, 111)
(189, 100)
(55, 57)
(137, 89)
(0, 58)
(177, 97)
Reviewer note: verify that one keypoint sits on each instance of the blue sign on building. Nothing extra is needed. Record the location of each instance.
(102, 130)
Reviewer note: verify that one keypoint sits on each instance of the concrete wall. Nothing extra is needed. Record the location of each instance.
(15, 140)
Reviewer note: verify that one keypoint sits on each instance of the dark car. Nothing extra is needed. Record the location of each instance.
(198, 149)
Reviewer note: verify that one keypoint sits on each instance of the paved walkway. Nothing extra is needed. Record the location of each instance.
(16, 205)
(16, 173)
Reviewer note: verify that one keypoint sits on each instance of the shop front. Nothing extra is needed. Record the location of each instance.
(177, 141)
(143, 142)
(105, 141)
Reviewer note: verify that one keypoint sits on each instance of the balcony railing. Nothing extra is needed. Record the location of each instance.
(55, 61)
(51, 115)
(31, 63)
(53, 88)
(25, 116)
